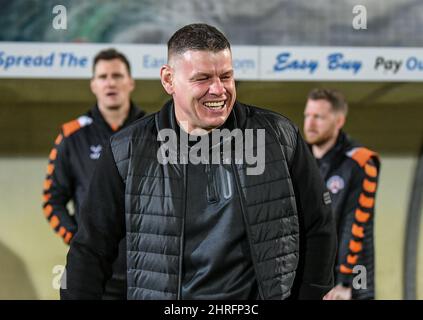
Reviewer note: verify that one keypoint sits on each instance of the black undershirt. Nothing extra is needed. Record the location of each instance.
(217, 260)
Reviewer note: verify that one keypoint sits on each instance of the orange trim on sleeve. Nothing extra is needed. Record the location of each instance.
(53, 154)
(366, 202)
(362, 155)
(46, 197)
(357, 231)
(369, 186)
(68, 237)
(48, 209)
(47, 184)
(54, 222)
(70, 127)
(58, 139)
(344, 269)
(370, 170)
(50, 168)
(361, 216)
(355, 246)
(352, 259)
(62, 231)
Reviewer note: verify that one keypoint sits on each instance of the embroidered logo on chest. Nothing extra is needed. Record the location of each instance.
(335, 184)
(95, 152)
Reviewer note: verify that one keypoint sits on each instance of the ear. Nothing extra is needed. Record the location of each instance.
(93, 86)
(132, 84)
(340, 120)
(166, 76)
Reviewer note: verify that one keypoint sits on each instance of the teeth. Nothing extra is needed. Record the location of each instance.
(217, 104)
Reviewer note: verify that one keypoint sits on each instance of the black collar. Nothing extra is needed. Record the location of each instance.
(134, 114)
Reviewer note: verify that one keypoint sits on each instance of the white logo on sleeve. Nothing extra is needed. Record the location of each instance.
(335, 184)
(95, 152)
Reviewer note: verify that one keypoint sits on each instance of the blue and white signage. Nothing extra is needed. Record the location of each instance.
(268, 63)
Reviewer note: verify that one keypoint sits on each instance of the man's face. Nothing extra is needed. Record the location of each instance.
(321, 123)
(203, 87)
(111, 84)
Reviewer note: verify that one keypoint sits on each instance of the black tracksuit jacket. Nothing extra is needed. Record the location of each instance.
(71, 164)
(351, 175)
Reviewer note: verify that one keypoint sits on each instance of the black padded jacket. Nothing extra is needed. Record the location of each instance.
(288, 220)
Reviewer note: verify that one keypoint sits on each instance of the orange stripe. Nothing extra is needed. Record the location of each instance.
(371, 171)
(366, 202)
(50, 168)
(68, 237)
(46, 197)
(47, 184)
(352, 259)
(344, 269)
(62, 231)
(114, 128)
(361, 216)
(53, 154)
(70, 127)
(369, 186)
(357, 231)
(58, 139)
(355, 246)
(48, 210)
(362, 155)
(54, 222)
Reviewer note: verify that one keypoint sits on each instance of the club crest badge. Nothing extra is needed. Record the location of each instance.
(95, 152)
(335, 184)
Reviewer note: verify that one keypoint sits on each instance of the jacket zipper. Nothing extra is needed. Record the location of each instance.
(247, 228)
(212, 195)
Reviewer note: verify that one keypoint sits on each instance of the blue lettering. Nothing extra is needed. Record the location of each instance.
(7, 62)
(49, 60)
(83, 62)
(414, 63)
(282, 63)
(27, 61)
(150, 62)
(244, 64)
(10, 60)
(38, 61)
(336, 62)
(68, 59)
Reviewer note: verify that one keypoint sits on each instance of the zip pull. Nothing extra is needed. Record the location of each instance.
(212, 196)
(226, 182)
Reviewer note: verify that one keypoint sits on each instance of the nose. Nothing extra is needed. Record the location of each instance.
(217, 88)
(111, 81)
(308, 122)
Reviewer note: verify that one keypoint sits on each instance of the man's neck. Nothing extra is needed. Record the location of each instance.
(115, 117)
(320, 150)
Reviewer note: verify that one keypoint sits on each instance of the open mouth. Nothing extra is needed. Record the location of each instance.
(215, 105)
(111, 94)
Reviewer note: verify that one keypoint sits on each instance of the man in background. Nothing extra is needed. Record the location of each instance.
(78, 148)
(351, 175)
